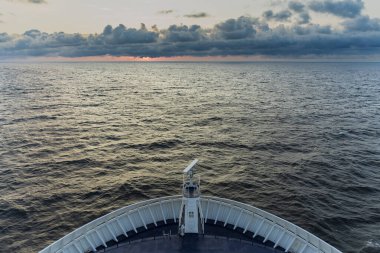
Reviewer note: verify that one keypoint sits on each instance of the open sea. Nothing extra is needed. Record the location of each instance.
(300, 140)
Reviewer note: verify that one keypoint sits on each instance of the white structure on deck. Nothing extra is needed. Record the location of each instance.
(163, 210)
(191, 216)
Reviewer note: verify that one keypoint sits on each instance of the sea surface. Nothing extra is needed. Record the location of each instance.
(300, 140)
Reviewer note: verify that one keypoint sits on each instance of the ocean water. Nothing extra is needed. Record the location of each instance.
(300, 140)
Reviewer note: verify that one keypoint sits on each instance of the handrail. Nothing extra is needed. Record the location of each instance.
(97, 232)
(91, 226)
(284, 224)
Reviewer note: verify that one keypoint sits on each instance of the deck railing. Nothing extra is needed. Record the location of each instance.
(282, 233)
(272, 228)
(108, 227)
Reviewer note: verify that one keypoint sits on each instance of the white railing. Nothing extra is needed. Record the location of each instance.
(119, 222)
(260, 223)
(270, 227)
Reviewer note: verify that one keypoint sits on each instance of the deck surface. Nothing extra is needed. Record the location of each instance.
(190, 245)
(216, 239)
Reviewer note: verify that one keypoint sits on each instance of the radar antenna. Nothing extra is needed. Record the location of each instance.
(188, 172)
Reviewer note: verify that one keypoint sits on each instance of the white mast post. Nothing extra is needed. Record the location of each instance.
(190, 208)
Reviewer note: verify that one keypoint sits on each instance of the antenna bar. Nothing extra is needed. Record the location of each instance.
(190, 167)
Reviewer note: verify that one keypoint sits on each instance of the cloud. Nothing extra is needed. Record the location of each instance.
(165, 11)
(279, 16)
(362, 24)
(342, 8)
(296, 6)
(30, 1)
(303, 18)
(231, 29)
(123, 35)
(197, 15)
(312, 29)
(4, 37)
(243, 36)
(183, 33)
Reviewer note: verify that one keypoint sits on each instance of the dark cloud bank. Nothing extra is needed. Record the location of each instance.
(243, 36)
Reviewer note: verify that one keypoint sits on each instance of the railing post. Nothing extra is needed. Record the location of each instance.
(279, 238)
(162, 211)
(228, 216)
(217, 214)
(172, 202)
(151, 214)
(270, 231)
(111, 232)
(238, 219)
(130, 220)
(258, 229)
(208, 202)
(121, 227)
(249, 223)
(89, 242)
(142, 218)
(290, 244)
(101, 238)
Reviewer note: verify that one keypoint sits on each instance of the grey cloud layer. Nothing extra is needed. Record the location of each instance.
(342, 8)
(279, 16)
(243, 36)
(296, 6)
(362, 24)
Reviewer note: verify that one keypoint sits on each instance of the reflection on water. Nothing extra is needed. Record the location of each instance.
(300, 140)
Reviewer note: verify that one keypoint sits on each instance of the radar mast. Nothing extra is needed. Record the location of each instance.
(191, 217)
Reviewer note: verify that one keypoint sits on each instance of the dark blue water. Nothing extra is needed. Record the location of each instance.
(301, 140)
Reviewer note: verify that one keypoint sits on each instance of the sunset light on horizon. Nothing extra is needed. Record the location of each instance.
(190, 31)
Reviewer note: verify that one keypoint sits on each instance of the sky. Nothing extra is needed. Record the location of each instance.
(182, 29)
